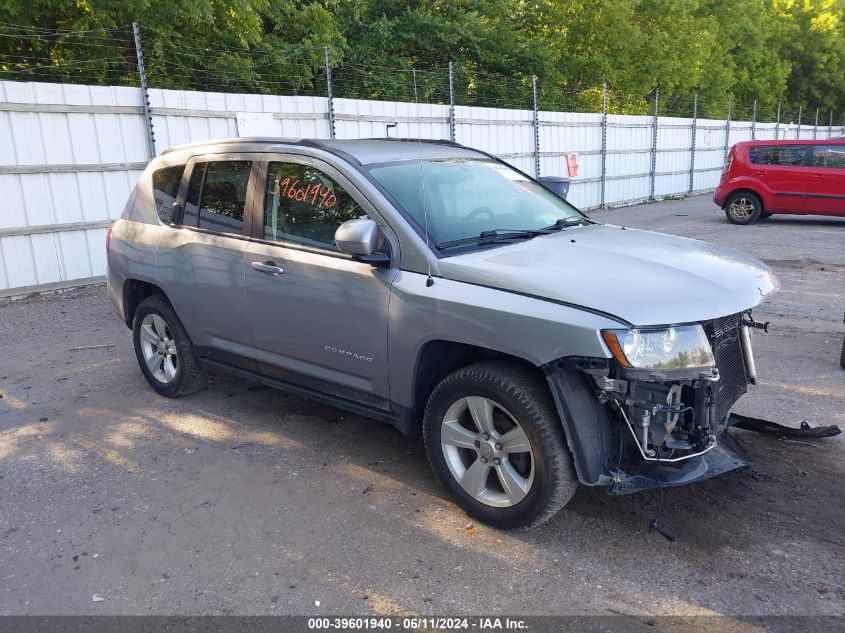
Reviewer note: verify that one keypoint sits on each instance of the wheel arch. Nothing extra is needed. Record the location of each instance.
(438, 358)
(134, 292)
(748, 190)
(584, 420)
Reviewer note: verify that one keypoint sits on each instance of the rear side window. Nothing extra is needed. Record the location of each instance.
(217, 196)
(792, 155)
(165, 188)
(830, 156)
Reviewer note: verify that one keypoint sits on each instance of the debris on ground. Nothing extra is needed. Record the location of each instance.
(87, 347)
(805, 431)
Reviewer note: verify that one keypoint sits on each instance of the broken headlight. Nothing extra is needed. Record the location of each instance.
(681, 347)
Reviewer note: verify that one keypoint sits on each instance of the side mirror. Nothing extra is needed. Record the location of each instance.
(359, 238)
(177, 211)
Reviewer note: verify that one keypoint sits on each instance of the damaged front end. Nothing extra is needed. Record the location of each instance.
(666, 395)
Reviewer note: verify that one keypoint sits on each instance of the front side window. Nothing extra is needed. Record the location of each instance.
(792, 155)
(217, 195)
(462, 198)
(830, 156)
(305, 206)
(165, 189)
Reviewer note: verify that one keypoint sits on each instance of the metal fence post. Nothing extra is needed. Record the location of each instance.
(329, 92)
(728, 128)
(536, 130)
(145, 93)
(653, 173)
(830, 125)
(692, 143)
(754, 121)
(800, 112)
(451, 102)
(777, 125)
(603, 143)
(816, 125)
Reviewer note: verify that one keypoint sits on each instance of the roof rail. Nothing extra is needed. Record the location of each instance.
(431, 141)
(232, 141)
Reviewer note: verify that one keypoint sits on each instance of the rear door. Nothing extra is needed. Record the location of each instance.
(784, 172)
(826, 193)
(318, 317)
(201, 261)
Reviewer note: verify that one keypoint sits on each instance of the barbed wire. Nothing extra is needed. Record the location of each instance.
(108, 55)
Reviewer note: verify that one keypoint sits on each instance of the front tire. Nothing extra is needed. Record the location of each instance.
(164, 350)
(495, 442)
(743, 208)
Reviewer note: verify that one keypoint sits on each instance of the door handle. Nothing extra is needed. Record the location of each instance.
(267, 267)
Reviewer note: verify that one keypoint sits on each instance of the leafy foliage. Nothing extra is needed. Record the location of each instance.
(771, 51)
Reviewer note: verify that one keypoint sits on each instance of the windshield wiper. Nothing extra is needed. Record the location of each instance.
(562, 223)
(493, 235)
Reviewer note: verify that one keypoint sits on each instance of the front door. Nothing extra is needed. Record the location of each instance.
(318, 317)
(826, 193)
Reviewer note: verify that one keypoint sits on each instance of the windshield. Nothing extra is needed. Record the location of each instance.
(467, 197)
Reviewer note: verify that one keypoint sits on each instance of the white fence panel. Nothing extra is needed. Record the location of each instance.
(709, 153)
(562, 133)
(629, 140)
(508, 134)
(674, 138)
(68, 158)
(379, 119)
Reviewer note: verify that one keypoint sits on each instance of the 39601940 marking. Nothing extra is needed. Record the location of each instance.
(352, 624)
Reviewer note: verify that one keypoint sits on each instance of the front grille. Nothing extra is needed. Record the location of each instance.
(727, 349)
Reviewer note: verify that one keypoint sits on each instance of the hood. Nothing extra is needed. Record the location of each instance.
(641, 277)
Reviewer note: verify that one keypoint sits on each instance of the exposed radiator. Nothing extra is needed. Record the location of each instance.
(727, 349)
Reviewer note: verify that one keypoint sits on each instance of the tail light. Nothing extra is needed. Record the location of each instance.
(729, 160)
(108, 239)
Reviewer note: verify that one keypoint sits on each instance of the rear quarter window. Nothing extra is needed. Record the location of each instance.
(165, 189)
(792, 155)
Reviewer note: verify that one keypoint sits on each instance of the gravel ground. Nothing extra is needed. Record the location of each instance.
(244, 500)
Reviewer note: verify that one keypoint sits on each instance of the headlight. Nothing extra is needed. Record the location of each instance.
(682, 347)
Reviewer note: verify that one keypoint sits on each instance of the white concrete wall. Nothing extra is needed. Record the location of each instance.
(69, 155)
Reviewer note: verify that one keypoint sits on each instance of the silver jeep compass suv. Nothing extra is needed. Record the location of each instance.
(438, 289)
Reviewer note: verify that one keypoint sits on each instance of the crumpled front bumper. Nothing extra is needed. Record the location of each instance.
(725, 456)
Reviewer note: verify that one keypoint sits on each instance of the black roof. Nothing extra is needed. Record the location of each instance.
(364, 151)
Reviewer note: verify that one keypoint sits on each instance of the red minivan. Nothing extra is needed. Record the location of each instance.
(762, 178)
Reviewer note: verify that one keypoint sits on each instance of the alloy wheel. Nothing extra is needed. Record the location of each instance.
(159, 348)
(742, 209)
(487, 451)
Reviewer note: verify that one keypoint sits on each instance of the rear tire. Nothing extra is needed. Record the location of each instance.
(743, 208)
(164, 350)
(476, 422)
